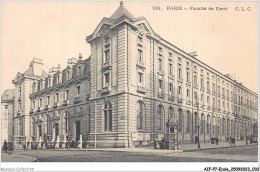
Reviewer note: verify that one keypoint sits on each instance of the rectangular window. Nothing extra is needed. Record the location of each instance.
(20, 92)
(107, 56)
(188, 77)
(6, 106)
(179, 73)
(140, 75)
(160, 65)
(170, 54)
(79, 70)
(49, 82)
(48, 100)
(106, 79)
(106, 39)
(66, 94)
(170, 89)
(58, 79)
(57, 98)
(33, 105)
(160, 49)
(68, 75)
(140, 55)
(170, 69)
(40, 102)
(78, 90)
(188, 93)
(160, 85)
(179, 90)
(140, 39)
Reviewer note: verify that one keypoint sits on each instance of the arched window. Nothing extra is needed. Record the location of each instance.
(160, 114)
(140, 114)
(108, 116)
(188, 121)
(180, 120)
(171, 113)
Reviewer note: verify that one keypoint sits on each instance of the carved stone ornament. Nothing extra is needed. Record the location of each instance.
(142, 30)
(106, 31)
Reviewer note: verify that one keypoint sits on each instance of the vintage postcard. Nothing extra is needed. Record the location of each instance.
(122, 81)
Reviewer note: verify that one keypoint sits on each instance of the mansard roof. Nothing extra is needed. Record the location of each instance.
(8, 95)
(119, 16)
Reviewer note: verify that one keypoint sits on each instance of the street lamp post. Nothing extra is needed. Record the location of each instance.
(198, 137)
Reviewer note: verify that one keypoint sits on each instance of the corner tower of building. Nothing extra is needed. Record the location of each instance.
(23, 83)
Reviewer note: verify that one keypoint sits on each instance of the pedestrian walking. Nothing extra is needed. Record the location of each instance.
(217, 140)
(5, 146)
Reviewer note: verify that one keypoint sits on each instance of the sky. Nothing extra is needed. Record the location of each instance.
(56, 31)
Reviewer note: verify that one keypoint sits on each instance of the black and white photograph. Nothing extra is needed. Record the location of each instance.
(121, 81)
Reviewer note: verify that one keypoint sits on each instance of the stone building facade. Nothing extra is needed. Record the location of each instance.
(7, 113)
(139, 81)
(60, 104)
(124, 94)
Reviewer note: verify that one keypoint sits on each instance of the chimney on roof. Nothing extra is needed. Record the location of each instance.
(121, 3)
(58, 68)
(36, 65)
(80, 56)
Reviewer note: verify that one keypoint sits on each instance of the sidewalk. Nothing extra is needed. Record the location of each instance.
(13, 157)
(150, 149)
(205, 146)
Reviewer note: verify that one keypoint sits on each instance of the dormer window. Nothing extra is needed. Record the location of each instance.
(57, 98)
(58, 79)
(79, 70)
(49, 82)
(68, 75)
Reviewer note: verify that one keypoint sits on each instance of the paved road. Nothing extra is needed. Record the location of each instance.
(233, 154)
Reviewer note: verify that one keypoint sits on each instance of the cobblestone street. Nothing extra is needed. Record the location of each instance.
(232, 154)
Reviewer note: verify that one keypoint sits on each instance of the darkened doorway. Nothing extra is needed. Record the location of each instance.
(77, 130)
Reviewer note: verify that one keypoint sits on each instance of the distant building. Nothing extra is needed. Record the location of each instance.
(23, 83)
(124, 94)
(7, 113)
